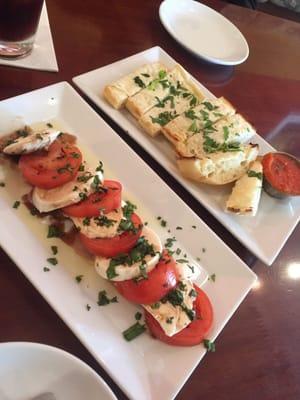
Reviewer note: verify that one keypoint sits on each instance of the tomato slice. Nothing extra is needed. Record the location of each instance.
(282, 172)
(119, 244)
(163, 278)
(52, 168)
(96, 202)
(195, 332)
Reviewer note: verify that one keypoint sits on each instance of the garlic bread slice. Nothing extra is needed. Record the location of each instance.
(118, 92)
(218, 168)
(245, 195)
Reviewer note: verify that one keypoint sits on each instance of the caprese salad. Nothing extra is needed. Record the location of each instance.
(127, 252)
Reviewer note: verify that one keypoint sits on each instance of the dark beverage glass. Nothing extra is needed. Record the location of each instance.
(19, 21)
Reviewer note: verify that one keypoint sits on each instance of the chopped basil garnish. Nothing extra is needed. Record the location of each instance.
(169, 242)
(53, 231)
(65, 168)
(139, 82)
(208, 105)
(46, 269)
(54, 250)
(16, 204)
(182, 261)
(253, 174)
(78, 278)
(226, 133)
(178, 228)
(84, 177)
(52, 260)
(49, 125)
(104, 221)
(138, 315)
(134, 331)
(146, 75)
(169, 320)
(162, 74)
(81, 168)
(163, 223)
(88, 307)
(103, 300)
(210, 346)
(190, 114)
(86, 221)
(137, 254)
(193, 127)
(155, 306)
(212, 277)
(100, 167)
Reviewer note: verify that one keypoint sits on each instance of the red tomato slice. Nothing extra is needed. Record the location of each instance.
(51, 169)
(111, 247)
(162, 279)
(195, 332)
(282, 172)
(106, 202)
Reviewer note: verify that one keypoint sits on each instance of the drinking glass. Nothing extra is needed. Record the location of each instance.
(19, 21)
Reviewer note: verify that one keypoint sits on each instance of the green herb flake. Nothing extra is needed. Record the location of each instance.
(155, 306)
(164, 117)
(16, 204)
(52, 260)
(194, 227)
(88, 307)
(212, 277)
(138, 316)
(226, 133)
(178, 228)
(103, 300)
(170, 241)
(182, 261)
(81, 168)
(254, 174)
(163, 223)
(86, 221)
(54, 250)
(146, 75)
(49, 125)
(53, 231)
(209, 345)
(78, 278)
(100, 167)
(169, 320)
(193, 127)
(46, 269)
(134, 331)
(138, 81)
(162, 74)
(178, 251)
(208, 105)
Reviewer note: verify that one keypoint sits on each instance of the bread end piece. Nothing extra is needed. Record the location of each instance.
(115, 96)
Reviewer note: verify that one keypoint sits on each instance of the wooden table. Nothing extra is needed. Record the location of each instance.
(258, 354)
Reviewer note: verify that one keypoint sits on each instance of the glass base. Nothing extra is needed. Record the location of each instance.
(15, 50)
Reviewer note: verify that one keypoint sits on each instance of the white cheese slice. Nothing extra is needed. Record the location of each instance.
(62, 196)
(246, 192)
(125, 271)
(96, 227)
(32, 142)
(172, 318)
(190, 271)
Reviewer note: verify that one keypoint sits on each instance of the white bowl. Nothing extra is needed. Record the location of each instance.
(30, 369)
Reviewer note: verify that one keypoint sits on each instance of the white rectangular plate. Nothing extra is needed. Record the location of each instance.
(145, 368)
(258, 233)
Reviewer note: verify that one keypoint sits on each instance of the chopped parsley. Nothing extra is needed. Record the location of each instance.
(212, 277)
(49, 125)
(54, 250)
(84, 177)
(78, 278)
(208, 105)
(81, 168)
(138, 316)
(103, 300)
(46, 269)
(193, 127)
(16, 204)
(52, 260)
(146, 75)
(190, 114)
(193, 293)
(88, 307)
(178, 251)
(178, 228)
(126, 224)
(134, 331)
(139, 82)
(53, 231)
(162, 74)
(86, 221)
(175, 297)
(226, 133)
(169, 242)
(253, 174)
(210, 346)
(163, 223)
(100, 167)
(182, 261)
(164, 117)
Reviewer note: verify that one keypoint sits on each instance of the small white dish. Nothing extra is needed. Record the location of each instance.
(204, 31)
(145, 369)
(30, 370)
(257, 233)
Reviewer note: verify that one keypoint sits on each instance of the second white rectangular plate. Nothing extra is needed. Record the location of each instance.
(257, 233)
(145, 369)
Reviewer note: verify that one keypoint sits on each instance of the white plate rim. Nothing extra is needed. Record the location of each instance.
(206, 57)
(56, 350)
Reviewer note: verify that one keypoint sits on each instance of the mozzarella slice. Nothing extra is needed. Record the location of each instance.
(173, 318)
(104, 226)
(125, 271)
(62, 196)
(190, 271)
(33, 142)
(246, 192)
